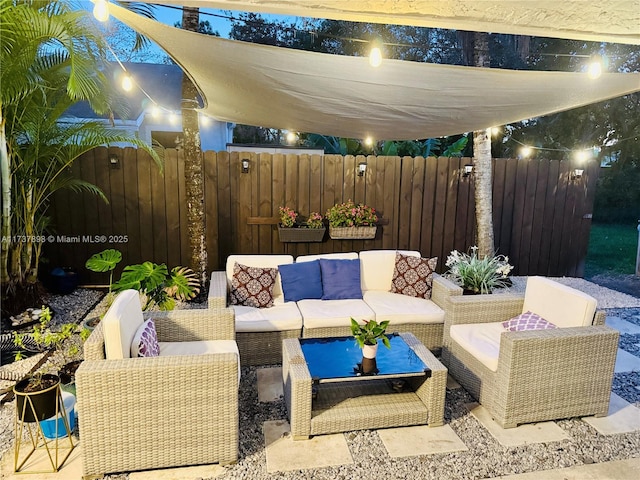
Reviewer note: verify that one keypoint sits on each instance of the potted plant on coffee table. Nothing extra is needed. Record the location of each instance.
(350, 221)
(291, 229)
(367, 336)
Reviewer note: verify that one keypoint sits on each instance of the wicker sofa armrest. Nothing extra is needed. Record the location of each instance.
(194, 324)
(217, 297)
(129, 411)
(442, 289)
(297, 383)
(482, 308)
(552, 364)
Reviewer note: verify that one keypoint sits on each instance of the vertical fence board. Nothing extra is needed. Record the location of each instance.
(131, 207)
(526, 226)
(159, 214)
(535, 239)
(415, 207)
(211, 211)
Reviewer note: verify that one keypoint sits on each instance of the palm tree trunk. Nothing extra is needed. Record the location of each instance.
(482, 163)
(193, 162)
(5, 172)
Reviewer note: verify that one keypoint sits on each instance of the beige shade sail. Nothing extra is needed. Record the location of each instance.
(616, 21)
(344, 96)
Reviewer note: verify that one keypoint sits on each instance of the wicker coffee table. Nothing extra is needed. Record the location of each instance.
(408, 389)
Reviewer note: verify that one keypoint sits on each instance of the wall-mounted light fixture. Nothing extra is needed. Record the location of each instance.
(577, 173)
(467, 170)
(245, 165)
(114, 161)
(362, 169)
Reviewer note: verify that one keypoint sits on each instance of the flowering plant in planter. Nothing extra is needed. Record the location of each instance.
(478, 275)
(287, 216)
(314, 220)
(350, 214)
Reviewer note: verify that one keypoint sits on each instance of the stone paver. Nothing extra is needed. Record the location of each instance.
(626, 362)
(420, 440)
(269, 384)
(285, 454)
(623, 417)
(39, 461)
(622, 325)
(541, 432)
(616, 470)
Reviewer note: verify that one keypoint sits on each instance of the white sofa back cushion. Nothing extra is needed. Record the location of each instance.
(268, 261)
(559, 304)
(120, 324)
(377, 266)
(328, 256)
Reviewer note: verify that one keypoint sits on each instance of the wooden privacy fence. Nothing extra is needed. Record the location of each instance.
(542, 215)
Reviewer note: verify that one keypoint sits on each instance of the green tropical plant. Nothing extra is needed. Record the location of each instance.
(46, 336)
(479, 275)
(159, 285)
(105, 261)
(370, 332)
(50, 59)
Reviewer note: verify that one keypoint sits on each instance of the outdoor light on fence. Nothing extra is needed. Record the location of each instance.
(577, 173)
(114, 161)
(375, 57)
(101, 10)
(292, 138)
(526, 151)
(245, 165)
(468, 169)
(362, 169)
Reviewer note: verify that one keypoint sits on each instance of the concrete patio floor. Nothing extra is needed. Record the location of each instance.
(283, 454)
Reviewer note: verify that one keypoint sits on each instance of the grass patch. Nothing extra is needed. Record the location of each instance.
(612, 249)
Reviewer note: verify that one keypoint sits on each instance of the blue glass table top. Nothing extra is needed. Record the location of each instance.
(339, 358)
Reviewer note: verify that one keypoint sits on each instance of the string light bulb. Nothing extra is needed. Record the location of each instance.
(127, 83)
(173, 118)
(525, 151)
(594, 70)
(291, 137)
(205, 121)
(101, 10)
(582, 155)
(368, 141)
(375, 57)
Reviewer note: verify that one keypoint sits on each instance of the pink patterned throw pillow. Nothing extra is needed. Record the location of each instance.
(527, 321)
(413, 276)
(145, 341)
(252, 286)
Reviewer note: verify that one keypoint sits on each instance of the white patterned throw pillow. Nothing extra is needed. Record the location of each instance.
(145, 341)
(527, 321)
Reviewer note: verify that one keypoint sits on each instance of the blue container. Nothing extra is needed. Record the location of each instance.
(49, 425)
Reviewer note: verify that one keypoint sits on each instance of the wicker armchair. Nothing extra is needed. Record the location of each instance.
(165, 411)
(541, 374)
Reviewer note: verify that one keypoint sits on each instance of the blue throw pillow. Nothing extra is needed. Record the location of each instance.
(340, 279)
(301, 280)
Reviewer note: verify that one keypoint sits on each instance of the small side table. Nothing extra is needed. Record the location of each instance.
(51, 447)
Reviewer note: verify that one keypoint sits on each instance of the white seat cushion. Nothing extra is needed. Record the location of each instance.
(482, 340)
(376, 268)
(559, 304)
(201, 347)
(333, 313)
(284, 316)
(120, 324)
(398, 308)
(265, 261)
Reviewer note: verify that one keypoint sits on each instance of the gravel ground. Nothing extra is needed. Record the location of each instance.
(485, 458)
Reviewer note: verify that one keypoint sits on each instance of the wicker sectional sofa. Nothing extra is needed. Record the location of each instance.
(260, 331)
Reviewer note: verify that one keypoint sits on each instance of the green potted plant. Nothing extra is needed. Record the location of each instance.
(105, 261)
(368, 334)
(290, 229)
(478, 275)
(158, 285)
(348, 221)
(39, 391)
